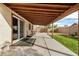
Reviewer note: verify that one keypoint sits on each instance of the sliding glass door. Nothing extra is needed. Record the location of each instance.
(18, 28)
(15, 28)
(21, 29)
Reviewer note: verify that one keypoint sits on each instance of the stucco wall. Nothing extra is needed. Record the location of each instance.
(26, 29)
(29, 32)
(5, 25)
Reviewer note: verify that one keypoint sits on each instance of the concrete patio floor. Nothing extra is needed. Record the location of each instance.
(44, 45)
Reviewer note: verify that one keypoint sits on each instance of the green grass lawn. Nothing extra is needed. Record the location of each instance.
(68, 42)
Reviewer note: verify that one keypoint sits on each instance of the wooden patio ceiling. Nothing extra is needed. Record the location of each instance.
(43, 13)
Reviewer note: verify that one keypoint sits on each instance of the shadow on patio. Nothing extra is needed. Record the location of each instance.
(37, 46)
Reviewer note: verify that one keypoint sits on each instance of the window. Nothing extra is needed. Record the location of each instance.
(29, 26)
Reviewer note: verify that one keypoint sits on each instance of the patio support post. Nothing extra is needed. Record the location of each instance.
(52, 30)
(78, 32)
(47, 29)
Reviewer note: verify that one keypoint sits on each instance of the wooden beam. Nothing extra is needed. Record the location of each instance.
(42, 5)
(38, 20)
(69, 11)
(38, 14)
(43, 18)
(47, 13)
(35, 9)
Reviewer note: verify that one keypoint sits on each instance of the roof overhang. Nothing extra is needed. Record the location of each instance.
(43, 13)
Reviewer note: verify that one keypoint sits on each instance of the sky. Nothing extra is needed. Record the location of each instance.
(68, 20)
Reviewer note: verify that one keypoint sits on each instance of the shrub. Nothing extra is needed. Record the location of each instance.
(74, 34)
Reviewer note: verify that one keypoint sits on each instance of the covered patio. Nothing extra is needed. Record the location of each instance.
(44, 45)
(41, 14)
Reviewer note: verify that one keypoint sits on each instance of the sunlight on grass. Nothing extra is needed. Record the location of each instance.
(69, 42)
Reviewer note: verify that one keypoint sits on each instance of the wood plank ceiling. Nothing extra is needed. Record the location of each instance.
(40, 13)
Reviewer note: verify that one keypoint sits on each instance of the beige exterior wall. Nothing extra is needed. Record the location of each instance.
(40, 28)
(6, 25)
(26, 28)
(27, 31)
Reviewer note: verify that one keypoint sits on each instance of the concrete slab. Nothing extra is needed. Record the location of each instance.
(55, 48)
(39, 44)
(44, 46)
